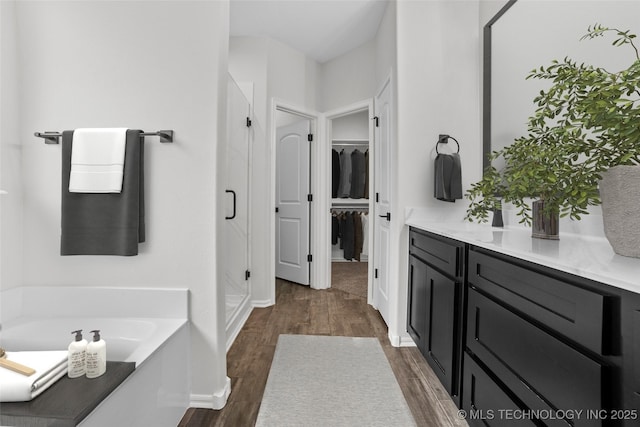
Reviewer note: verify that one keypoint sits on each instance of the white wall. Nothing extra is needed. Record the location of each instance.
(386, 47)
(10, 153)
(353, 126)
(359, 74)
(292, 76)
(248, 58)
(150, 65)
(438, 92)
(348, 78)
(488, 9)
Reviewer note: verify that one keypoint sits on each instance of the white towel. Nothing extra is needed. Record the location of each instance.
(97, 160)
(50, 366)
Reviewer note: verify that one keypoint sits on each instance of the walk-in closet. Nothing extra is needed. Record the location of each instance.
(351, 180)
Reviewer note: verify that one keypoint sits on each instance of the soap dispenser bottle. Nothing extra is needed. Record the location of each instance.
(96, 356)
(77, 354)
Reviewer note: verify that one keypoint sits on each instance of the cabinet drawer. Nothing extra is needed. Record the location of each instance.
(485, 402)
(550, 374)
(444, 254)
(572, 311)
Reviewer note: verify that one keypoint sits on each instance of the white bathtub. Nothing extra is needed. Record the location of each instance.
(157, 392)
(128, 340)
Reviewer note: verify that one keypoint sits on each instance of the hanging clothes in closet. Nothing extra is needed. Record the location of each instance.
(335, 175)
(366, 174)
(348, 235)
(365, 232)
(357, 174)
(335, 229)
(350, 174)
(350, 231)
(357, 236)
(344, 189)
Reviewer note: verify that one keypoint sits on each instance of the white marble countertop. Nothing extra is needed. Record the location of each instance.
(583, 255)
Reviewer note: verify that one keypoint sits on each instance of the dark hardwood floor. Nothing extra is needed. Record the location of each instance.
(301, 310)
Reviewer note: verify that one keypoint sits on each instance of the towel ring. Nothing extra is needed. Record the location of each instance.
(444, 139)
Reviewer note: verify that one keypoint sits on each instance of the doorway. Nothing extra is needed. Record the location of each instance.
(350, 173)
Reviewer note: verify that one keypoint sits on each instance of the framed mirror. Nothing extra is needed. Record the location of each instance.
(526, 34)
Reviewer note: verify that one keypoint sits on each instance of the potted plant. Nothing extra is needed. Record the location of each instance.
(585, 132)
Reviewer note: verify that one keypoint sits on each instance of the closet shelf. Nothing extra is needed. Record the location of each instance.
(350, 142)
(359, 202)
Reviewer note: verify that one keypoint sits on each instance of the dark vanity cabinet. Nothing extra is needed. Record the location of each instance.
(520, 343)
(545, 343)
(436, 277)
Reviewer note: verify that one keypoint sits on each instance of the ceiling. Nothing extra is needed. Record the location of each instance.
(321, 29)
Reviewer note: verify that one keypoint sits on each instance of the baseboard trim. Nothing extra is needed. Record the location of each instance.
(211, 401)
(262, 303)
(406, 341)
(401, 341)
(238, 321)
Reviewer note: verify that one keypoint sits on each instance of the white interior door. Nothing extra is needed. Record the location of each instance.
(382, 206)
(237, 200)
(292, 206)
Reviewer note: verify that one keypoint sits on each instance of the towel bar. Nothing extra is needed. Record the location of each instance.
(54, 137)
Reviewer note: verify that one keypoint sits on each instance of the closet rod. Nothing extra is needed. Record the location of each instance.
(54, 137)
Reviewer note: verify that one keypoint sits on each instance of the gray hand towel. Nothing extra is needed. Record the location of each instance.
(104, 223)
(448, 177)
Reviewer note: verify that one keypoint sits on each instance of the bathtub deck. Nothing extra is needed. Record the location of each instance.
(68, 401)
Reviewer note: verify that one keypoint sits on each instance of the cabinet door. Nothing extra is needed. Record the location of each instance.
(417, 302)
(441, 327)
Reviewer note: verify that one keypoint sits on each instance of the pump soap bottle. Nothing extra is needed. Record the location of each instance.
(96, 356)
(77, 353)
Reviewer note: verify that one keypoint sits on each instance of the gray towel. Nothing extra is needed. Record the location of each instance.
(105, 223)
(448, 177)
